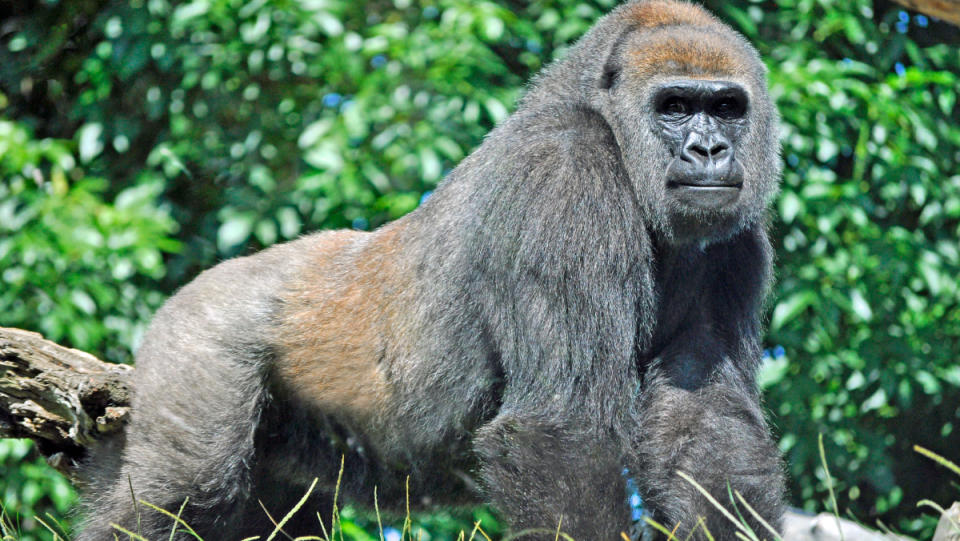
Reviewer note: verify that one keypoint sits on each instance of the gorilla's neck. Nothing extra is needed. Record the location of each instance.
(710, 297)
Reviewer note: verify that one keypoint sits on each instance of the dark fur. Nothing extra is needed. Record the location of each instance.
(550, 315)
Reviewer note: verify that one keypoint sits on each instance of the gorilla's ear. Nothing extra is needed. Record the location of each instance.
(612, 66)
(611, 72)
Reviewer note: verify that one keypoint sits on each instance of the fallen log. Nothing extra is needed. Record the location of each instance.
(61, 398)
(948, 529)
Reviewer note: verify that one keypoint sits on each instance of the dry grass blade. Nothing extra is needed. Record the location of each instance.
(289, 515)
(661, 528)
(136, 506)
(937, 458)
(335, 516)
(376, 507)
(173, 531)
(713, 501)
(476, 528)
(131, 535)
(753, 512)
(56, 535)
(407, 522)
(943, 512)
(701, 525)
(269, 517)
(829, 481)
(326, 536)
(176, 518)
(531, 531)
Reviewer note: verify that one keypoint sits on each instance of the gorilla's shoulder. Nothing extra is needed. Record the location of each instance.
(572, 123)
(554, 136)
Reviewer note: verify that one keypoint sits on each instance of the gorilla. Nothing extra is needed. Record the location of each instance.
(583, 293)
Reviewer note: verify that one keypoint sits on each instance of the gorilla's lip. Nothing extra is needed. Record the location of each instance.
(705, 186)
(705, 194)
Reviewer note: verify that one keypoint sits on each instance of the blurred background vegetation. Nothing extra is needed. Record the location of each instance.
(142, 141)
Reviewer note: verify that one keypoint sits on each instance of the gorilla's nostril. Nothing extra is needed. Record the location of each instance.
(718, 149)
(702, 151)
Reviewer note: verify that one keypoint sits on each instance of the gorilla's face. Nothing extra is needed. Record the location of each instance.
(696, 130)
(701, 123)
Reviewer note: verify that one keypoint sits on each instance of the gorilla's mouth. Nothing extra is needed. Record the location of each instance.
(706, 186)
(709, 194)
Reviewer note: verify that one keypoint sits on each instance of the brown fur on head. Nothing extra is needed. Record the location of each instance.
(675, 51)
(654, 13)
(681, 38)
(652, 45)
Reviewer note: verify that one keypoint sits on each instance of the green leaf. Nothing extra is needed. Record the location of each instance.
(492, 27)
(772, 371)
(860, 305)
(83, 301)
(789, 308)
(429, 164)
(90, 141)
(877, 400)
(234, 232)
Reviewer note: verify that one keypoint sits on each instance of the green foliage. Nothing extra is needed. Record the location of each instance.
(248, 122)
(76, 267)
(31, 491)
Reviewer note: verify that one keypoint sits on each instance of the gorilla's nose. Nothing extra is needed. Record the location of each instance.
(709, 157)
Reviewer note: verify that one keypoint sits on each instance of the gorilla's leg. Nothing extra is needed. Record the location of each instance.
(712, 430)
(191, 440)
(541, 473)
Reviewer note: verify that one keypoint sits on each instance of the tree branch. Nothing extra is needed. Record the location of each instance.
(948, 10)
(62, 398)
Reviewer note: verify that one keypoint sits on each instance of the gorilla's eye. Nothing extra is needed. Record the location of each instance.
(728, 108)
(674, 106)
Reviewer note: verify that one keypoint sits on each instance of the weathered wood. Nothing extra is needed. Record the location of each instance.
(948, 529)
(61, 398)
(827, 527)
(948, 10)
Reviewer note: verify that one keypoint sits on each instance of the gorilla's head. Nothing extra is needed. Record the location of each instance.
(687, 101)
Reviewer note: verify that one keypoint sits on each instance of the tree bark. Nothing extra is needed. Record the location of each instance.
(948, 10)
(61, 398)
(948, 529)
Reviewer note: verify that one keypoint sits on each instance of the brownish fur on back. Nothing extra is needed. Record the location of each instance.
(338, 322)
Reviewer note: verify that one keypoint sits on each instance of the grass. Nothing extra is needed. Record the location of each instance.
(338, 529)
(347, 524)
(746, 533)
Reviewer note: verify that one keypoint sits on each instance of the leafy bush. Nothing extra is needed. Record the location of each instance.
(75, 267)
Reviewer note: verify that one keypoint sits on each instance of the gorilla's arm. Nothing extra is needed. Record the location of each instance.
(699, 408)
(561, 266)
